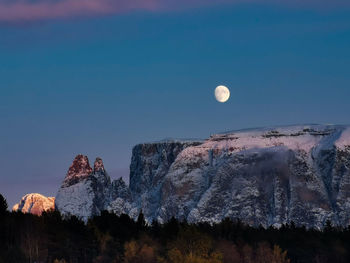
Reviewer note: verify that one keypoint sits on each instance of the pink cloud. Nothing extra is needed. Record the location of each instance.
(31, 10)
(24, 10)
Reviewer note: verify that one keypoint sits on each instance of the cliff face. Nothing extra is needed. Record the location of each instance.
(150, 163)
(85, 192)
(264, 176)
(35, 204)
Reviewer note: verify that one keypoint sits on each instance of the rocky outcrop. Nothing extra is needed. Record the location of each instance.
(265, 177)
(121, 200)
(35, 204)
(85, 192)
(150, 163)
(78, 171)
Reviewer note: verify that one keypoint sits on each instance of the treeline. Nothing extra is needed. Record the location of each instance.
(112, 238)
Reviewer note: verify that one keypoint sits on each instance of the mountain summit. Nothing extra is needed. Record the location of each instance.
(98, 165)
(79, 170)
(85, 192)
(35, 204)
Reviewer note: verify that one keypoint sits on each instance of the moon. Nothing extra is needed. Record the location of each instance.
(222, 94)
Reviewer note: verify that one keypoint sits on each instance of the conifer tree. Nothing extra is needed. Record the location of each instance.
(3, 205)
(141, 222)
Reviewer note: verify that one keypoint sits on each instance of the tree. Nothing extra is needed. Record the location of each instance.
(192, 246)
(140, 251)
(141, 222)
(248, 254)
(3, 205)
(279, 256)
(229, 252)
(328, 228)
(175, 255)
(264, 253)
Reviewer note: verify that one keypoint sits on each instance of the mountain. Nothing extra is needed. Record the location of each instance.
(267, 176)
(85, 192)
(35, 204)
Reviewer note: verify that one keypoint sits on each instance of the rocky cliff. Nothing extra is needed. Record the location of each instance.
(85, 192)
(262, 176)
(35, 204)
(150, 163)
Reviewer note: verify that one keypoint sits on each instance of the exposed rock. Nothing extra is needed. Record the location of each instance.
(149, 165)
(265, 177)
(79, 170)
(98, 165)
(86, 192)
(35, 204)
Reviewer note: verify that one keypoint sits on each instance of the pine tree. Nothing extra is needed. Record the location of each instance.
(3, 205)
(141, 222)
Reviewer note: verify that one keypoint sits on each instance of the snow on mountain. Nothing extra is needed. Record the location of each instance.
(35, 204)
(85, 192)
(149, 165)
(267, 176)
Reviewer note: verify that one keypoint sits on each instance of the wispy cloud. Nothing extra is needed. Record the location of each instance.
(24, 10)
(31, 10)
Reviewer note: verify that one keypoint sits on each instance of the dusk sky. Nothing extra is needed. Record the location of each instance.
(98, 77)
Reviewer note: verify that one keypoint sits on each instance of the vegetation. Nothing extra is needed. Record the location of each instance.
(112, 238)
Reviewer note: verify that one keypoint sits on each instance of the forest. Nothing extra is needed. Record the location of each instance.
(111, 238)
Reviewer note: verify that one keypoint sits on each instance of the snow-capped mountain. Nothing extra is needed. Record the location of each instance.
(264, 177)
(85, 191)
(35, 204)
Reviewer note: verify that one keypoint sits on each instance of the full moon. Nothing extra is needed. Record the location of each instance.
(222, 93)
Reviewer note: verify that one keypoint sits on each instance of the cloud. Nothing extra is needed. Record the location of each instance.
(32, 10)
(27, 10)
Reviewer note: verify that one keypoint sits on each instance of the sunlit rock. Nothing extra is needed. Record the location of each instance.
(35, 204)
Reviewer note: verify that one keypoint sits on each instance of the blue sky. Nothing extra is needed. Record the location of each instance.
(98, 85)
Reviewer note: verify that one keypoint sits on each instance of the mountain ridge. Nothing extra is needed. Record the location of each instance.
(265, 176)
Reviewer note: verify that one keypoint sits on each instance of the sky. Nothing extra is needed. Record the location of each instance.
(98, 77)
